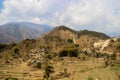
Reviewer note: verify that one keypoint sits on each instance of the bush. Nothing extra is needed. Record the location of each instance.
(118, 48)
(77, 45)
(71, 52)
(16, 50)
(11, 79)
(63, 53)
(2, 46)
(90, 78)
(48, 71)
(113, 56)
(70, 41)
(49, 56)
(38, 64)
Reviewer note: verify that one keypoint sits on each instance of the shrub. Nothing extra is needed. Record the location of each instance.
(38, 64)
(86, 53)
(118, 48)
(70, 41)
(2, 46)
(77, 45)
(90, 78)
(49, 56)
(71, 52)
(63, 53)
(113, 56)
(48, 71)
(11, 79)
(16, 50)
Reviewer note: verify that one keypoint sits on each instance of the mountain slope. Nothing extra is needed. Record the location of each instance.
(109, 46)
(17, 31)
(62, 35)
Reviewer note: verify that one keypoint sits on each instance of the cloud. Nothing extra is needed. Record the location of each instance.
(99, 15)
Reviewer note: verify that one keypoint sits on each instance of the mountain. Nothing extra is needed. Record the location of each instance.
(62, 36)
(63, 51)
(17, 31)
(114, 34)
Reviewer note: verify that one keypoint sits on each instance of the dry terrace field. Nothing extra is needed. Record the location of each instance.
(78, 70)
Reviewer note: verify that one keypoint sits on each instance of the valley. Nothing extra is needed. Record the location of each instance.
(62, 54)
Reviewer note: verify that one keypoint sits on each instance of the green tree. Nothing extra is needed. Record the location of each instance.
(63, 53)
(113, 56)
(48, 71)
(70, 51)
(2, 46)
(38, 64)
(70, 41)
(16, 52)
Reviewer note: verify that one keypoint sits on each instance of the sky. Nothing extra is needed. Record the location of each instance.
(97, 15)
(1, 5)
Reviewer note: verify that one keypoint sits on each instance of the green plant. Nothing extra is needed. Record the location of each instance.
(16, 50)
(48, 71)
(90, 78)
(77, 45)
(70, 41)
(113, 56)
(2, 46)
(38, 64)
(63, 53)
(70, 51)
(118, 47)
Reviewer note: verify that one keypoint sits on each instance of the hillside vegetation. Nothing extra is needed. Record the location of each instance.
(62, 54)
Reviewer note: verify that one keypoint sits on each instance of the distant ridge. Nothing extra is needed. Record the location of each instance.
(93, 33)
(17, 31)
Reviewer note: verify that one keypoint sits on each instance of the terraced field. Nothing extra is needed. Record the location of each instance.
(78, 70)
(20, 71)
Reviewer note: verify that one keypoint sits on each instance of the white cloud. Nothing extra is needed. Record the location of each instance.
(100, 15)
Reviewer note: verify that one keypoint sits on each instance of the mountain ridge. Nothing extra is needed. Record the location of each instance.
(17, 31)
(61, 35)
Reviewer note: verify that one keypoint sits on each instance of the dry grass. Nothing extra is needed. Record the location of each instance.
(78, 70)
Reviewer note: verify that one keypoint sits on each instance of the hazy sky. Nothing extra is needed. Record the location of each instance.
(99, 15)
